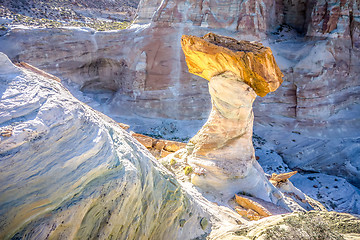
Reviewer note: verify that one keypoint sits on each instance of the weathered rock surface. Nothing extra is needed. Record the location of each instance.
(253, 63)
(159, 148)
(67, 172)
(134, 64)
(335, 193)
(232, 15)
(318, 101)
(301, 225)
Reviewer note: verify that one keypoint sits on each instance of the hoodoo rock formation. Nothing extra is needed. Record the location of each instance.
(237, 71)
(315, 43)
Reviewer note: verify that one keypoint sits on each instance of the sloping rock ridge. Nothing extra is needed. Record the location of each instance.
(69, 173)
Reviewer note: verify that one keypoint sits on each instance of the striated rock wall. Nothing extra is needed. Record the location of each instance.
(138, 65)
(248, 17)
(67, 172)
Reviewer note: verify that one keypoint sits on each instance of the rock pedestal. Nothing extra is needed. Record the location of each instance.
(222, 151)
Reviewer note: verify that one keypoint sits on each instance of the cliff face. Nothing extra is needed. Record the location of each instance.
(248, 17)
(316, 45)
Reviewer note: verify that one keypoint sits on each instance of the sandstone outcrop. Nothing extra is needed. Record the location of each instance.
(213, 55)
(232, 14)
(237, 72)
(280, 178)
(159, 148)
(68, 172)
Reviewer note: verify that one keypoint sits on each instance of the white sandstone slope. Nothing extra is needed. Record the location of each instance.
(69, 173)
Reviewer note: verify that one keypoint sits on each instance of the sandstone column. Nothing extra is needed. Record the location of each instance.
(222, 152)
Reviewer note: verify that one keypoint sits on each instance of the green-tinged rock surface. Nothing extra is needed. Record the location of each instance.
(304, 225)
(68, 172)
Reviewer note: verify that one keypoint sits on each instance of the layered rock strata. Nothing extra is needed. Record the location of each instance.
(237, 71)
(68, 172)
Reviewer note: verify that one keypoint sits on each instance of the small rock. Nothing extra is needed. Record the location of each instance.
(6, 133)
(164, 153)
(144, 140)
(159, 145)
(282, 177)
(173, 146)
(124, 126)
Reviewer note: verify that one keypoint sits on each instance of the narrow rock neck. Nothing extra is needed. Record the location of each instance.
(231, 116)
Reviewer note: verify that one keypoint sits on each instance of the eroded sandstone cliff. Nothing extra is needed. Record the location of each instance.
(67, 172)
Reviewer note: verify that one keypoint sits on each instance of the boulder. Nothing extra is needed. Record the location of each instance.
(173, 146)
(247, 203)
(144, 140)
(282, 177)
(253, 63)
